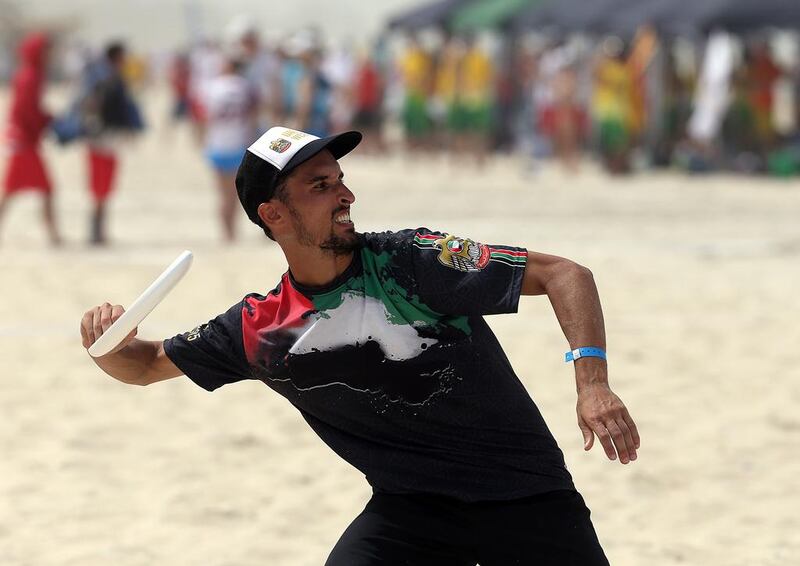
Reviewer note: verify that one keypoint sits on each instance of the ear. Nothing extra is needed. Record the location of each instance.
(271, 214)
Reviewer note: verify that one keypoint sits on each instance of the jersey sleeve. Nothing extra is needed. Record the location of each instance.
(459, 276)
(212, 354)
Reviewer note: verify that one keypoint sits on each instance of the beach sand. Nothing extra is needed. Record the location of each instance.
(698, 278)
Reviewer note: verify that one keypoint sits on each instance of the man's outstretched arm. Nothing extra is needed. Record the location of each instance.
(573, 294)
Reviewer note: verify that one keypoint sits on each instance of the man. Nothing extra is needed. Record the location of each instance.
(108, 112)
(379, 341)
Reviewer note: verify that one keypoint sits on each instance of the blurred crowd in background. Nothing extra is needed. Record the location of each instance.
(693, 87)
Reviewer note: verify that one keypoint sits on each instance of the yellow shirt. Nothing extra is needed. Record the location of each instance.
(476, 77)
(447, 75)
(612, 91)
(415, 67)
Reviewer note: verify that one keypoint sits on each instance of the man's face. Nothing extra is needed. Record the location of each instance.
(318, 203)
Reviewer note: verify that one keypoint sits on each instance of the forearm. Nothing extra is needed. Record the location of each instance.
(132, 363)
(573, 294)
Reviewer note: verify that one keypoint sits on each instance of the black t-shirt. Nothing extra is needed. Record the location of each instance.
(395, 369)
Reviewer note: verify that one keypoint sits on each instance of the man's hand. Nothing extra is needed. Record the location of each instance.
(97, 320)
(133, 361)
(602, 413)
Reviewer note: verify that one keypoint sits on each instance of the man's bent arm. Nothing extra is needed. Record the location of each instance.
(573, 294)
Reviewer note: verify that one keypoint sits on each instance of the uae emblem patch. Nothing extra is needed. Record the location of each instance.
(279, 145)
(462, 254)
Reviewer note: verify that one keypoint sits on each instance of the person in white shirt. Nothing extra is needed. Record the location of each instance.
(231, 105)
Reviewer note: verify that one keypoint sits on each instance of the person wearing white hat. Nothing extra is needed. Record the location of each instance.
(379, 340)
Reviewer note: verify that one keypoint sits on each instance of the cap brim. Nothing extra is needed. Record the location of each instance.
(339, 146)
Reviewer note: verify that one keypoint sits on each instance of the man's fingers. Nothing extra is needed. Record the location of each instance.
(97, 325)
(619, 441)
(606, 416)
(86, 323)
(97, 320)
(105, 316)
(634, 431)
(588, 435)
(604, 436)
(116, 312)
(628, 436)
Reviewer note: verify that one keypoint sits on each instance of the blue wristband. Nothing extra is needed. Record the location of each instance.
(579, 353)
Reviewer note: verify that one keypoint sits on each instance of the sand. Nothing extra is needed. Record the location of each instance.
(698, 278)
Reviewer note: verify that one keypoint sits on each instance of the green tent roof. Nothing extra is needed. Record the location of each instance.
(486, 14)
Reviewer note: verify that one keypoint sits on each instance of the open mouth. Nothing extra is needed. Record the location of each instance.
(343, 218)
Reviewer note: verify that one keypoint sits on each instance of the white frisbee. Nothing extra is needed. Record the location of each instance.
(142, 306)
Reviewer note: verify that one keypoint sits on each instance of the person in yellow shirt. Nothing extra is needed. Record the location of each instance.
(445, 91)
(612, 106)
(470, 114)
(416, 69)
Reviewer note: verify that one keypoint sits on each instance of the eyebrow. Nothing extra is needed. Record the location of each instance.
(323, 178)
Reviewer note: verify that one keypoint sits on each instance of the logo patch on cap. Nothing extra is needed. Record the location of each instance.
(280, 145)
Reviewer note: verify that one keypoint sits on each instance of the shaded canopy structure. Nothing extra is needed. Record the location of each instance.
(744, 15)
(432, 14)
(674, 17)
(489, 14)
(571, 15)
(623, 17)
(463, 16)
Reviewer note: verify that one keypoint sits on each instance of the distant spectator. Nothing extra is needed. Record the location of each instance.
(416, 69)
(762, 73)
(179, 77)
(27, 120)
(108, 113)
(231, 103)
(564, 121)
(369, 92)
(612, 106)
(471, 113)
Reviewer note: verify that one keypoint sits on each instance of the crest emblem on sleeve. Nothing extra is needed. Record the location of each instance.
(462, 254)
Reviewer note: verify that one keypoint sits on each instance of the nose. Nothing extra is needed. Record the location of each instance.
(346, 196)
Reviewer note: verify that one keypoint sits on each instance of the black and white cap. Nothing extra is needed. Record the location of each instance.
(275, 154)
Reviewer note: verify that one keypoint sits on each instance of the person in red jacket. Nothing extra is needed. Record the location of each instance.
(27, 120)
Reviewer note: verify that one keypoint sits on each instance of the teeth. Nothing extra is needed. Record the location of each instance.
(343, 218)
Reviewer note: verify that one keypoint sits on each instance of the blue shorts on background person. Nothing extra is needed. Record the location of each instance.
(225, 161)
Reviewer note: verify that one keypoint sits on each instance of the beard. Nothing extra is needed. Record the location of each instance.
(338, 245)
(333, 244)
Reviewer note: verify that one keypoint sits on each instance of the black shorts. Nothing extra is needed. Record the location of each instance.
(551, 529)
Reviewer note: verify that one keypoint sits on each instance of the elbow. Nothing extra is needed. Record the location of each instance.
(146, 378)
(571, 270)
(582, 272)
(132, 380)
(582, 275)
(568, 275)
